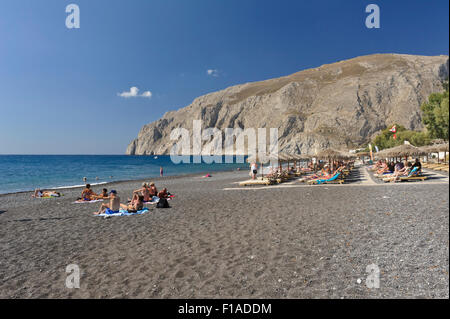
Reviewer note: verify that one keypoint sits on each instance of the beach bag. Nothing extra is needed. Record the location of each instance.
(163, 203)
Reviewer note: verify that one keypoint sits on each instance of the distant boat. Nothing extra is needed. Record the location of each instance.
(156, 157)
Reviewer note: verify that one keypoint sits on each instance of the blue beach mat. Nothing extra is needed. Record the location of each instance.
(123, 212)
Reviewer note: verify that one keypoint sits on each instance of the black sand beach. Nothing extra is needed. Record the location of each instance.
(220, 240)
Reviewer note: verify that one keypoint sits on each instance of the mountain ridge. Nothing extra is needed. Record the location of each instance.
(341, 105)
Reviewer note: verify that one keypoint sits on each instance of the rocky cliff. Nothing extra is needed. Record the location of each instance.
(340, 105)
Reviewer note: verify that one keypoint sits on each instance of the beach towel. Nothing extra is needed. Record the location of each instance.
(320, 181)
(87, 201)
(154, 200)
(123, 212)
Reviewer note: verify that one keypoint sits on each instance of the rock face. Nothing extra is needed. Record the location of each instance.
(340, 105)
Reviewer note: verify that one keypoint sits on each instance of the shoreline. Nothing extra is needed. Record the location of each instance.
(158, 178)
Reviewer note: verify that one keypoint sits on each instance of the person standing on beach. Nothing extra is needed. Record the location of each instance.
(253, 170)
(161, 172)
(113, 206)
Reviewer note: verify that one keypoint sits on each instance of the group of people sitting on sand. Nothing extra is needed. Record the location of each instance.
(148, 193)
(89, 195)
(394, 171)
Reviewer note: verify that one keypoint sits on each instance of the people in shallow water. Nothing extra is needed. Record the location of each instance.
(136, 204)
(113, 206)
(42, 193)
(88, 194)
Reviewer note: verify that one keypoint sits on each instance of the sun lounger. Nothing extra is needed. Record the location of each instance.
(333, 180)
(435, 166)
(414, 175)
(413, 178)
(254, 182)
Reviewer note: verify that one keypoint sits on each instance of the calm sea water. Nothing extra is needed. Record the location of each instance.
(27, 172)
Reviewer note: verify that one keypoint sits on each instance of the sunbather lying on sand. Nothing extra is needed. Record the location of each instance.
(113, 206)
(137, 203)
(40, 193)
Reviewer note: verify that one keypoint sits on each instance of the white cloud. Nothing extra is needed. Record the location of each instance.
(134, 92)
(213, 72)
(147, 94)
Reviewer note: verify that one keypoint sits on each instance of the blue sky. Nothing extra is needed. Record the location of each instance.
(59, 87)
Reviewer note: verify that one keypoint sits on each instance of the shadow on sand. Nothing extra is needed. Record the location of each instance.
(39, 219)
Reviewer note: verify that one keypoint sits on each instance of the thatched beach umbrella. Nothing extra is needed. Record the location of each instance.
(330, 154)
(284, 158)
(298, 157)
(304, 156)
(436, 148)
(346, 155)
(362, 155)
(262, 160)
(381, 154)
(404, 150)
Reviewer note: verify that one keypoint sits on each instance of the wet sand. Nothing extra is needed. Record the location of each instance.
(220, 240)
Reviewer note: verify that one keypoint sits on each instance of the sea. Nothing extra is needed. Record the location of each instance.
(27, 172)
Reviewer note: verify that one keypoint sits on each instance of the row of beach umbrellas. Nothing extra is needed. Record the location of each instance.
(292, 157)
(328, 154)
(404, 150)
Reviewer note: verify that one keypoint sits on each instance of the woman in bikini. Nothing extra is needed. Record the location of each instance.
(136, 204)
(87, 194)
(39, 194)
(144, 191)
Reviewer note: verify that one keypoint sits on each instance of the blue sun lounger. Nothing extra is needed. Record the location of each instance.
(414, 176)
(330, 180)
